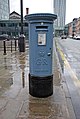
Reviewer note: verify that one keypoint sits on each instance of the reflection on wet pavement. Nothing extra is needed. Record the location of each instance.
(53, 107)
(57, 74)
(13, 71)
(15, 101)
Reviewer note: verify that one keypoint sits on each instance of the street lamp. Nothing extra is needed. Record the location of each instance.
(21, 3)
(21, 41)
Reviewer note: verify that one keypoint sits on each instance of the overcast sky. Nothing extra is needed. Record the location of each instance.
(46, 6)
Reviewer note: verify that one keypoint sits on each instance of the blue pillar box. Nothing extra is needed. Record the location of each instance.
(40, 53)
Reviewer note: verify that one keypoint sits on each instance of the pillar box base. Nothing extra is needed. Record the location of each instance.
(40, 86)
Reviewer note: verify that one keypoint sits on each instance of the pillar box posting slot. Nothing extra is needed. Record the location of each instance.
(40, 54)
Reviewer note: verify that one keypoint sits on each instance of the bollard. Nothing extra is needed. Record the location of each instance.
(4, 44)
(11, 45)
(15, 45)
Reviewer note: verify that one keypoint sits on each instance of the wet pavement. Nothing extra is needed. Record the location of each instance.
(15, 101)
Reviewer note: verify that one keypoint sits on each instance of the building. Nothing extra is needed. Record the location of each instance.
(70, 30)
(77, 25)
(60, 11)
(73, 28)
(14, 15)
(66, 29)
(4, 9)
(12, 26)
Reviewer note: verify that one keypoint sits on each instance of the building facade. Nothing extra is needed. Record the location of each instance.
(4, 9)
(70, 30)
(78, 26)
(60, 11)
(12, 27)
(74, 27)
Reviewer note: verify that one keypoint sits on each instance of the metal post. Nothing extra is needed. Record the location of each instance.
(4, 43)
(11, 45)
(21, 16)
(21, 38)
(15, 45)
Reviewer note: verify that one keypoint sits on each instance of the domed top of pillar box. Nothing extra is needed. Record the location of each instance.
(41, 16)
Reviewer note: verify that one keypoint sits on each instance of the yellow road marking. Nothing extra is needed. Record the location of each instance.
(72, 74)
(66, 63)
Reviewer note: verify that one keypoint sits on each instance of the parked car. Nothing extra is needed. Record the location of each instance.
(63, 37)
(75, 37)
(4, 37)
(78, 37)
(70, 36)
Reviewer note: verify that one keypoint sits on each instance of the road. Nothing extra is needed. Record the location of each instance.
(71, 50)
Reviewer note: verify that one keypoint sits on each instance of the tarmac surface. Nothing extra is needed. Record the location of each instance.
(15, 101)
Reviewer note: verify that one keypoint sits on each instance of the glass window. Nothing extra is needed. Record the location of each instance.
(4, 9)
(19, 24)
